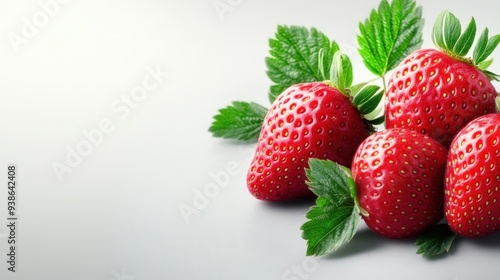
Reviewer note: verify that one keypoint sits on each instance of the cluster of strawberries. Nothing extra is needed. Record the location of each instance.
(415, 156)
(437, 156)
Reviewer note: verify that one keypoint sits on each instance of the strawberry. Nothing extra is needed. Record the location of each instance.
(306, 120)
(472, 189)
(399, 181)
(323, 120)
(437, 92)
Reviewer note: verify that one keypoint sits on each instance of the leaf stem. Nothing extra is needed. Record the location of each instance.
(384, 83)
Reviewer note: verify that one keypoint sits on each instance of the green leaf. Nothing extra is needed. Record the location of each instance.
(241, 121)
(377, 121)
(321, 66)
(485, 64)
(355, 89)
(365, 94)
(294, 57)
(480, 48)
(341, 73)
(329, 227)
(390, 33)
(465, 41)
(327, 179)
(492, 76)
(435, 241)
(452, 30)
(486, 47)
(447, 34)
(334, 219)
(368, 99)
(438, 31)
(491, 46)
(372, 104)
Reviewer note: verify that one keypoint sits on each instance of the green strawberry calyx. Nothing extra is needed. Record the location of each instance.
(334, 220)
(341, 73)
(364, 96)
(435, 241)
(447, 35)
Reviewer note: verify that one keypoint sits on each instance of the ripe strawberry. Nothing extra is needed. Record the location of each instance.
(437, 92)
(472, 189)
(399, 181)
(306, 120)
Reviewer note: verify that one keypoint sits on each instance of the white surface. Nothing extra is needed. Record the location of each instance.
(116, 215)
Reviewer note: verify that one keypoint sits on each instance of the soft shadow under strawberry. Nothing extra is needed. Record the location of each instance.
(305, 203)
(490, 242)
(364, 241)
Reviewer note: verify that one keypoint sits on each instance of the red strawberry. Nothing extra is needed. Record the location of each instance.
(472, 188)
(399, 182)
(437, 92)
(306, 120)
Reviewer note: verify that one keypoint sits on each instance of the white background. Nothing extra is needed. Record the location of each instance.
(115, 213)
